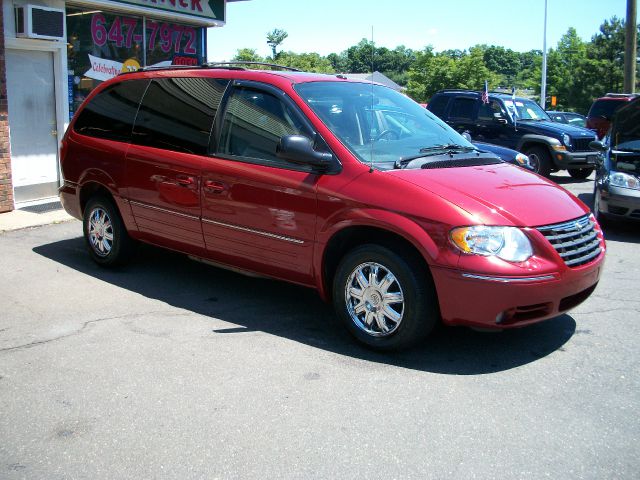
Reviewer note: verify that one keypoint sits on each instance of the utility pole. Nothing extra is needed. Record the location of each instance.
(543, 85)
(630, 48)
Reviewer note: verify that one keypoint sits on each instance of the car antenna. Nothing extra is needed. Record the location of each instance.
(373, 52)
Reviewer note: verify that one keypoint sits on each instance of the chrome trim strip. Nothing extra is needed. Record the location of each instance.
(164, 210)
(569, 225)
(508, 279)
(257, 232)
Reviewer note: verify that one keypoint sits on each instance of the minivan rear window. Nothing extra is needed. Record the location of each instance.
(177, 114)
(111, 113)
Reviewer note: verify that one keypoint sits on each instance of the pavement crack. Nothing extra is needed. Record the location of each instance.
(77, 332)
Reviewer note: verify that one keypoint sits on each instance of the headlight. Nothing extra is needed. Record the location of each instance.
(507, 243)
(566, 139)
(619, 179)
(522, 160)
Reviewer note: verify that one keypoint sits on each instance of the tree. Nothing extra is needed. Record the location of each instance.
(503, 61)
(432, 72)
(307, 62)
(471, 72)
(275, 39)
(565, 72)
(247, 55)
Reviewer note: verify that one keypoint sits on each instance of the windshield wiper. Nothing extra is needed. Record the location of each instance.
(449, 148)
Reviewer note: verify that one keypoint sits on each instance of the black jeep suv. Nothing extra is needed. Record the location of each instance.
(521, 125)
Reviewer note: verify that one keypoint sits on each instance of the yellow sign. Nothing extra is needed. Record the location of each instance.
(130, 65)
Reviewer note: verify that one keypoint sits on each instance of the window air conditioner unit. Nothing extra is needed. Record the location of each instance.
(34, 21)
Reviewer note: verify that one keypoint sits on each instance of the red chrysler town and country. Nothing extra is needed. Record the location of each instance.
(347, 187)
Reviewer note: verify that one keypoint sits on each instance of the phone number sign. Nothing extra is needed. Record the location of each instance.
(122, 33)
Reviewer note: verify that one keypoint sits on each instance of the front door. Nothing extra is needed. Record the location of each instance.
(258, 211)
(32, 119)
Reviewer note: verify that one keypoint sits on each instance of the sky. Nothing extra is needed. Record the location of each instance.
(332, 26)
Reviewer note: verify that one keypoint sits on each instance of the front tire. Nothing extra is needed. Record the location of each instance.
(602, 220)
(540, 160)
(107, 239)
(386, 300)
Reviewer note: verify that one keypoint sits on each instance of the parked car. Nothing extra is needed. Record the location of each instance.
(306, 178)
(570, 118)
(522, 126)
(503, 153)
(603, 109)
(617, 187)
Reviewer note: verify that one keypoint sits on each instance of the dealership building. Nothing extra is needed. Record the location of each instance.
(54, 52)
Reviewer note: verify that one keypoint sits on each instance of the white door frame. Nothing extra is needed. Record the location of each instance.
(61, 87)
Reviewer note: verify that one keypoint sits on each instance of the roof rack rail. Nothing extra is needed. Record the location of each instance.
(621, 95)
(262, 64)
(456, 90)
(228, 65)
(154, 68)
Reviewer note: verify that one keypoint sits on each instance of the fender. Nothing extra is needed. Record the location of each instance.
(102, 178)
(401, 225)
(550, 142)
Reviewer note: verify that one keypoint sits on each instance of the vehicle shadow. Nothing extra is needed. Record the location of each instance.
(567, 180)
(298, 314)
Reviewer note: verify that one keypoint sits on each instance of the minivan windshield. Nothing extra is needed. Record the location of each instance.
(380, 126)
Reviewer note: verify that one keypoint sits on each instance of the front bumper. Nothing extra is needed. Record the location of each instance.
(569, 160)
(488, 301)
(620, 203)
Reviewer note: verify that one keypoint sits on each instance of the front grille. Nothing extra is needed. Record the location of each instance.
(582, 144)
(576, 241)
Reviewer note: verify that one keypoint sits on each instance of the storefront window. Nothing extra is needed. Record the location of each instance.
(104, 44)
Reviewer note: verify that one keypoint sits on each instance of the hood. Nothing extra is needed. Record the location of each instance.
(503, 152)
(626, 123)
(556, 129)
(500, 194)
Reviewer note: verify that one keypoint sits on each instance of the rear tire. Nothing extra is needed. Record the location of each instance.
(540, 160)
(107, 239)
(386, 300)
(580, 173)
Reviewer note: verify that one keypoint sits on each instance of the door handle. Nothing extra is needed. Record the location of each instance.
(185, 180)
(212, 186)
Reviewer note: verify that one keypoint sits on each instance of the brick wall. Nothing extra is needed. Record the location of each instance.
(6, 187)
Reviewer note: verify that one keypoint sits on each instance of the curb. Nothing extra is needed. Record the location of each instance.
(21, 219)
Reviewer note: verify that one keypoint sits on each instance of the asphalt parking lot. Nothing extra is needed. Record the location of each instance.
(173, 369)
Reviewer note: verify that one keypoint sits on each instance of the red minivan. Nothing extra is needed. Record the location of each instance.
(347, 187)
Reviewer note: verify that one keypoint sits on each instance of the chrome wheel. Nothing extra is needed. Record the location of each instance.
(374, 299)
(534, 160)
(100, 232)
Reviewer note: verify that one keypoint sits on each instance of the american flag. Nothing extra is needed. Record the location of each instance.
(485, 93)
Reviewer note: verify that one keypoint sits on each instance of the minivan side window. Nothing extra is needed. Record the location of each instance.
(254, 122)
(177, 114)
(111, 113)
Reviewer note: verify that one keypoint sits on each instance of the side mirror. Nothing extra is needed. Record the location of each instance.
(598, 146)
(466, 136)
(497, 117)
(298, 149)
